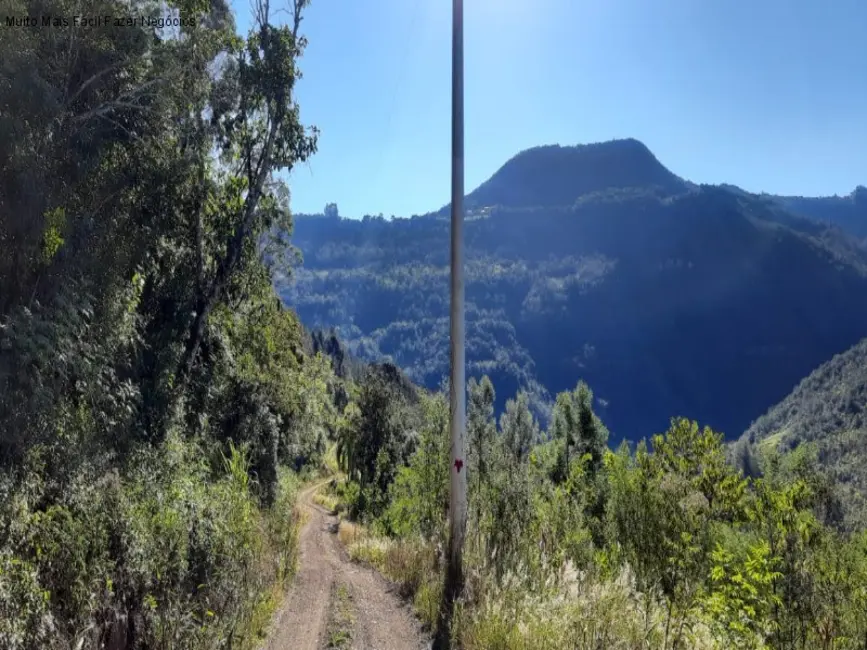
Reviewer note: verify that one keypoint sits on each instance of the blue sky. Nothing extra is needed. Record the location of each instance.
(770, 95)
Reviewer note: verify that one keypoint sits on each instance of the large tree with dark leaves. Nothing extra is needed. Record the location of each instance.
(114, 208)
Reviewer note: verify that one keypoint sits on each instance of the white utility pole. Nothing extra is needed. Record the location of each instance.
(457, 383)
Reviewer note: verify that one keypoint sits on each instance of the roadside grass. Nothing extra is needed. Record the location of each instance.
(327, 501)
(571, 610)
(411, 564)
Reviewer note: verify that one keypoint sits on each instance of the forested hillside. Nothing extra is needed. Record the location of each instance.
(829, 409)
(597, 262)
(847, 212)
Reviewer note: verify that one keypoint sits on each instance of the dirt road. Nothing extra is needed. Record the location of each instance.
(371, 616)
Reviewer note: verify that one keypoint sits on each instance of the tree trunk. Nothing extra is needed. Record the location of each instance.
(227, 266)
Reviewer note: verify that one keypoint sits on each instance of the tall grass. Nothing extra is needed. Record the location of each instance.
(562, 609)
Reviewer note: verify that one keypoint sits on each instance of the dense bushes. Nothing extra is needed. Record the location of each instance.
(571, 544)
(180, 543)
(166, 555)
(157, 402)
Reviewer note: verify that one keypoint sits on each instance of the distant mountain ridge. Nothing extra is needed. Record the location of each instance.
(558, 176)
(597, 262)
(846, 212)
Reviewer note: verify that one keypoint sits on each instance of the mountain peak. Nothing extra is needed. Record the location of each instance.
(558, 175)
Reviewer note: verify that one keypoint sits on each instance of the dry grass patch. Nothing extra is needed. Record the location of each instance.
(351, 534)
(327, 501)
(411, 564)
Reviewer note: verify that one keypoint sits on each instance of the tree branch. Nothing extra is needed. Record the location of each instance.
(124, 102)
(93, 78)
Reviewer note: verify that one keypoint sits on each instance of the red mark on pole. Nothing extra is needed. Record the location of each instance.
(458, 464)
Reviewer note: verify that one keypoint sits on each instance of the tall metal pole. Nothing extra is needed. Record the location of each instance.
(458, 395)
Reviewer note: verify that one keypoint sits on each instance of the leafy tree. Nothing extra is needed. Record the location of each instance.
(258, 130)
(519, 427)
(481, 434)
(566, 430)
(581, 438)
(560, 521)
(698, 456)
(379, 436)
(419, 495)
(663, 508)
(593, 436)
(741, 598)
(783, 510)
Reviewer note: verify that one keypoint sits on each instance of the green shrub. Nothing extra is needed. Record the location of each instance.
(189, 559)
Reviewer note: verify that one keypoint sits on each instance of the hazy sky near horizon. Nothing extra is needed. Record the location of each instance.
(770, 95)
